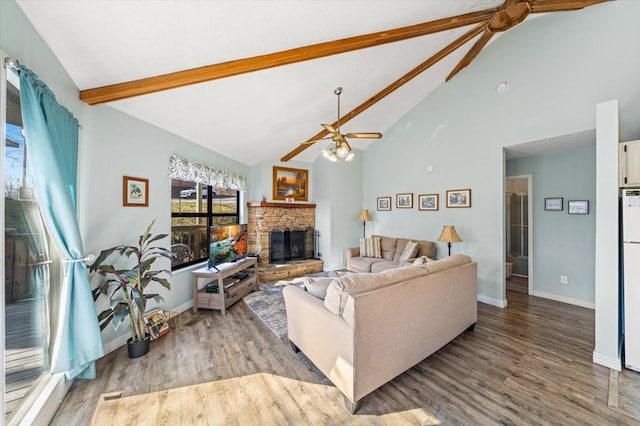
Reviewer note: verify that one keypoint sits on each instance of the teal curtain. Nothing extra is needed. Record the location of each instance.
(51, 134)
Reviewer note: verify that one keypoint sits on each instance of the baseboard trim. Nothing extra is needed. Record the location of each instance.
(493, 302)
(122, 340)
(607, 361)
(564, 299)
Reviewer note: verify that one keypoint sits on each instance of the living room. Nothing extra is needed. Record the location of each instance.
(559, 68)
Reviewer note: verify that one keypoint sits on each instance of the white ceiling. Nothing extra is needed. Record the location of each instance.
(263, 115)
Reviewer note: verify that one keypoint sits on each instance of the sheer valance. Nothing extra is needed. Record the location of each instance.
(179, 168)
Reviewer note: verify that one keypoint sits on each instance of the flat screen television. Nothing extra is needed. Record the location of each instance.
(228, 244)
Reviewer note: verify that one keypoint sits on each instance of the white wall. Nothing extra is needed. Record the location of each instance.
(607, 351)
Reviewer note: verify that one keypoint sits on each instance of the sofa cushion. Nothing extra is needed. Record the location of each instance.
(384, 265)
(364, 263)
(410, 250)
(388, 246)
(340, 289)
(317, 286)
(426, 248)
(370, 247)
(446, 263)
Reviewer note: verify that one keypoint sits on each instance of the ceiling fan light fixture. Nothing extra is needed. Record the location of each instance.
(349, 156)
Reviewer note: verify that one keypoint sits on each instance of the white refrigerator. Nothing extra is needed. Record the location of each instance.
(631, 271)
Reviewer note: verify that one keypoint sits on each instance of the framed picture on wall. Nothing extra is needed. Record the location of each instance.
(135, 192)
(404, 201)
(578, 207)
(428, 202)
(384, 204)
(553, 204)
(290, 184)
(458, 198)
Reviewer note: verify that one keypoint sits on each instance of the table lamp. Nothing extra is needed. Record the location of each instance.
(364, 216)
(449, 235)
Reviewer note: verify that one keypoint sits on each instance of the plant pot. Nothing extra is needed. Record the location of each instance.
(138, 349)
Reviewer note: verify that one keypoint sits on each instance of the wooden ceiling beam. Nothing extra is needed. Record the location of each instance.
(203, 74)
(542, 6)
(469, 35)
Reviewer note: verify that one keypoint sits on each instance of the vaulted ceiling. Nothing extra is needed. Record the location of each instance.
(252, 80)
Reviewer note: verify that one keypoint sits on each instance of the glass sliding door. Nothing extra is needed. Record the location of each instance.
(27, 267)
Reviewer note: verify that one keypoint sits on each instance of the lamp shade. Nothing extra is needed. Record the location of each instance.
(449, 235)
(364, 215)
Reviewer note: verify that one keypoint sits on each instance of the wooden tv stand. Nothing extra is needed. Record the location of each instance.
(223, 299)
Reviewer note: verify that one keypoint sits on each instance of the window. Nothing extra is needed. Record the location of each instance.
(195, 208)
(28, 268)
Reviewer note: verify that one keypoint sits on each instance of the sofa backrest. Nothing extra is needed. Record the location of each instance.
(341, 287)
(392, 248)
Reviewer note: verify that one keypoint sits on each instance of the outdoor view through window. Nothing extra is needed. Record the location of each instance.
(27, 266)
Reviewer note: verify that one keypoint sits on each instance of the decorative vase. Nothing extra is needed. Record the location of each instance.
(138, 349)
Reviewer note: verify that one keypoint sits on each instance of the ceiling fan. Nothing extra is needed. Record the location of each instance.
(340, 150)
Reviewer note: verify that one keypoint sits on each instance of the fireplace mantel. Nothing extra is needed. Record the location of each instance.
(281, 205)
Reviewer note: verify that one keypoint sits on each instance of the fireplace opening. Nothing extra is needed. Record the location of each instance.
(286, 245)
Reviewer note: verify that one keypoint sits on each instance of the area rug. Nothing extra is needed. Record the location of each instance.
(268, 305)
(624, 392)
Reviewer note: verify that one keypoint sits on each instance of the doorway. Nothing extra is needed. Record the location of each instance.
(518, 233)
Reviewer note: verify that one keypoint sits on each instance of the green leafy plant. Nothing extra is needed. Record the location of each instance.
(125, 288)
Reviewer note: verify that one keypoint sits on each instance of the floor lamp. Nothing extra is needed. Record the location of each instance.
(364, 217)
(449, 235)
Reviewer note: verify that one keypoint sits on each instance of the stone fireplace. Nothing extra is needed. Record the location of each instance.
(288, 223)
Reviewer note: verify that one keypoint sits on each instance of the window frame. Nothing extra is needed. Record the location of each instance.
(209, 215)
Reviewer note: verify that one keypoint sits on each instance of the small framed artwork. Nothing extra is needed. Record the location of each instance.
(290, 183)
(553, 204)
(428, 202)
(404, 201)
(135, 192)
(458, 198)
(578, 207)
(384, 204)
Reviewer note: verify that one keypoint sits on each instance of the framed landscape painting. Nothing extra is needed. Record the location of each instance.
(428, 202)
(290, 183)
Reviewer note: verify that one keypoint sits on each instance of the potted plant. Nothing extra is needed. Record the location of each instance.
(125, 288)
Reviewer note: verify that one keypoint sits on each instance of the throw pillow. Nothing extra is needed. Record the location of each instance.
(422, 259)
(370, 247)
(410, 251)
(317, 286)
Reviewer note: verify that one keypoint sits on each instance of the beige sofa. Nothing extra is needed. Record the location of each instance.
(372, 327)
(392, 249)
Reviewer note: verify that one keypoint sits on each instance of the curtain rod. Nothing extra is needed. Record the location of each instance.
(10, 62)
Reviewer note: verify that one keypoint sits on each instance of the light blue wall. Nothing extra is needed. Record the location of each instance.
(261, 182)
(112, 145)
(559, 67)
(338, 189)
(563, 244)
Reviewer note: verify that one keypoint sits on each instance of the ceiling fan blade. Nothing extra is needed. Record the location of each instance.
(472, 53)
(541, 6)
(375, 135)
(329, 128)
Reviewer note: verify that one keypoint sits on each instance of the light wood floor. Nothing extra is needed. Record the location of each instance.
(527, 364)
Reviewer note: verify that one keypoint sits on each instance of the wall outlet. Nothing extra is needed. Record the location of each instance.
(564, 279)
